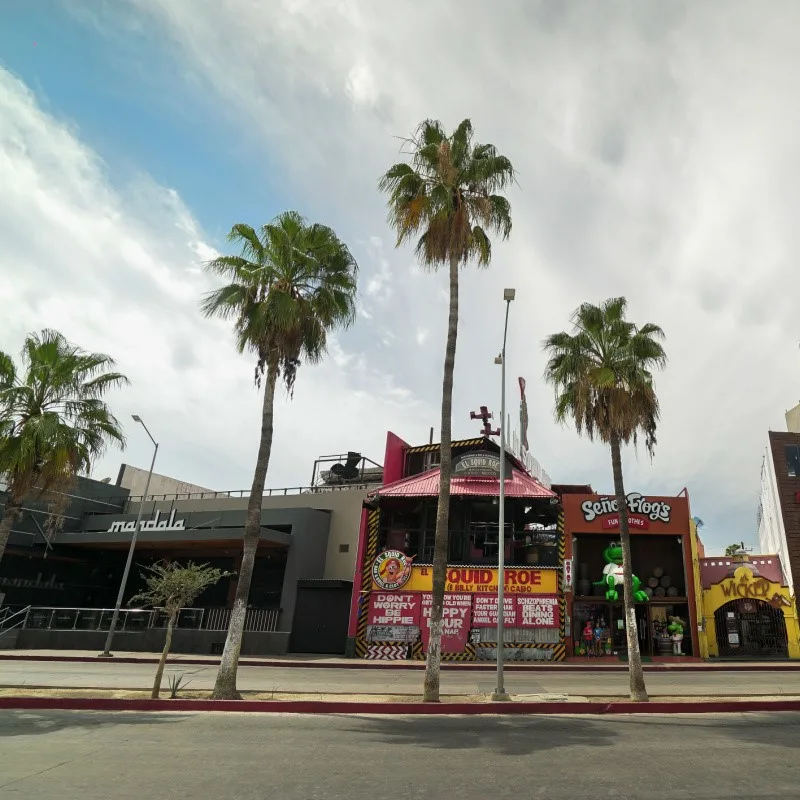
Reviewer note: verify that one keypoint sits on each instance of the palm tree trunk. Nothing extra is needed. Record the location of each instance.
(225, 685)
(434, 657)
(7, 523)
(635, 672)
(164, 653)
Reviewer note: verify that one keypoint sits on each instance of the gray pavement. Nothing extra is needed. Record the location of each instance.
(177, 756)
(116, 675)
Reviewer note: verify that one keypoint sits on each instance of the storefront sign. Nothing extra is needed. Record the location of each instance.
(477, 465)
(612, 523)
(484, 611)
(655, 510)
(394, 608)
(456, 618)
(567, 574)
(154, 524)
(482, 580)
(744, 587)
(538, 612)
(391, 570)
(392, 633)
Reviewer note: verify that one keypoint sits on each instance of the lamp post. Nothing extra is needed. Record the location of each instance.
(107, 649)
(500, 689)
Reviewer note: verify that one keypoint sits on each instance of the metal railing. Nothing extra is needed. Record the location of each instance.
(10, 619)
(134, 619)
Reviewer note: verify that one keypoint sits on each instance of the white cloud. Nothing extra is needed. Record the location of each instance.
(657, 158)
(121, 271)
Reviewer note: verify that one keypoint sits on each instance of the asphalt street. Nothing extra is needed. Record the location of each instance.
(177, 756)
(116, 675)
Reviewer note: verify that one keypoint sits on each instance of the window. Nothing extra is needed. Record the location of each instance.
(793, 460)
(344, 548)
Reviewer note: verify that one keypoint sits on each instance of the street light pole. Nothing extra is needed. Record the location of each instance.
(107, 650)
(500, 693)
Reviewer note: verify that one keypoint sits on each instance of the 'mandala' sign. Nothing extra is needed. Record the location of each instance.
(656, 510)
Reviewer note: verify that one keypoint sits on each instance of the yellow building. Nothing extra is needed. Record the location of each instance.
(747, 610)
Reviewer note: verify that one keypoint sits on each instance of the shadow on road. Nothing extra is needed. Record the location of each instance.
(33, 723)
(512, 736)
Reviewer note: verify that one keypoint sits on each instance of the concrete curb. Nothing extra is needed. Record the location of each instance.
(441, 709)
(488, 666)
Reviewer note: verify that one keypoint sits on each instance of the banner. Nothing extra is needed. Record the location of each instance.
(523, 415)
(538, 612)
(483, 580)
(484, 611)
(456, 619)
(394, 608)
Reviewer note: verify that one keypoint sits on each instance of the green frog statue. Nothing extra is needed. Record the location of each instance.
(613, 575)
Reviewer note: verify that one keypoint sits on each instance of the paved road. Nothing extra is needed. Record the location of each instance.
(175, 756)
(115, 675)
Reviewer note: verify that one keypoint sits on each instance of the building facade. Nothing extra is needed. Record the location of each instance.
(69, 574)
(748, 609)
(779, 504)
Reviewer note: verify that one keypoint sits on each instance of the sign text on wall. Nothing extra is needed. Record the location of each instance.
(154, 524)
(654, 510)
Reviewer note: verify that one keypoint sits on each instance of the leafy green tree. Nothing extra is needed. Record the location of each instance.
(602, 375)
(733, 549)
(172, 587)
(447, 194)
(53, 421)
(292, 284)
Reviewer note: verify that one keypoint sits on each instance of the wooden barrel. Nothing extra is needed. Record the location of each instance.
(648, 591)
(660, 591)
(665, 581)
(652, 582)
(672, 591)
(664, 646)
(658, 572)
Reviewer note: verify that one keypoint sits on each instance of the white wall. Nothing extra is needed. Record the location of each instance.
(793, 419)
(135, 479)
(771, 530)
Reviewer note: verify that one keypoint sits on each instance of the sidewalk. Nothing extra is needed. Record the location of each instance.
(337, 662)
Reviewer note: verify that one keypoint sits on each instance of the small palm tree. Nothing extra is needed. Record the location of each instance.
(733, 549)
(292, 284)
(53, 421)
(602, 375)
(448, 196)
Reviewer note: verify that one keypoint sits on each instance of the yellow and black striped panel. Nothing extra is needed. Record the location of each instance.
(467, 654)
(370, 551)
(416, 651)
(429, 448)
(559, 651)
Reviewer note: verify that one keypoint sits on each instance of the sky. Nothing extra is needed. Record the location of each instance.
(657, 158)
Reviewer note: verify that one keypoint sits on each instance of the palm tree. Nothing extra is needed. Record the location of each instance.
(733, 549)
(447, 195)
(602, 375)
(292, 284)
(53, 421)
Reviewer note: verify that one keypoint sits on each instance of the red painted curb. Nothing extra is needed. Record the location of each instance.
(769, 666)
(444, 709)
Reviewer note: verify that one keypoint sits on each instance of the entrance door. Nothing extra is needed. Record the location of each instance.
(320, 619)
(749, 628)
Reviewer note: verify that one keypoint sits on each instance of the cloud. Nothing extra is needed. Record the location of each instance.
(121, 271)
(657, 158)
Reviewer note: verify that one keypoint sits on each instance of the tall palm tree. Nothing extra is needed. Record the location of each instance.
(448, 196)
(53, 421)
(292, 284)
(602, 375)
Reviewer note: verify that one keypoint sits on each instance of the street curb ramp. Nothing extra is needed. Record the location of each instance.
(441, 709)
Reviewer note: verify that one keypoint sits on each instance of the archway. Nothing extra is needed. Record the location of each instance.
(748, 627)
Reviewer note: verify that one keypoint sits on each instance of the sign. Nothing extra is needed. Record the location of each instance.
(391, 569)
(612, 523)
(392, 633)
(154, 524)
(523, 415)
(390, 608)
(538, 612)
(746, 587)
(456, 617)
(483, 580)
(484, 611)
(567, 574)
(477, 465)
(655, 510)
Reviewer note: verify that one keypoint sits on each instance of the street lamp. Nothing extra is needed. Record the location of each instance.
(107, 650)
(500, 690)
